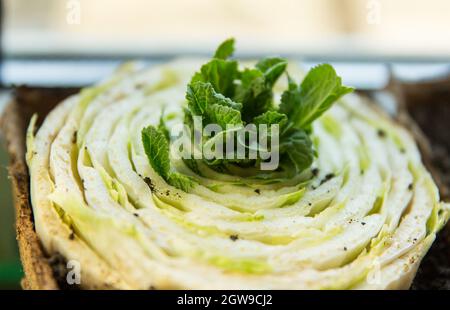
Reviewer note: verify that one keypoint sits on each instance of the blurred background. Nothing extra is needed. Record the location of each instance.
(77, 42)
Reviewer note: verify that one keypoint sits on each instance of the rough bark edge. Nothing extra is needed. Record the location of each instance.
(38, 273)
